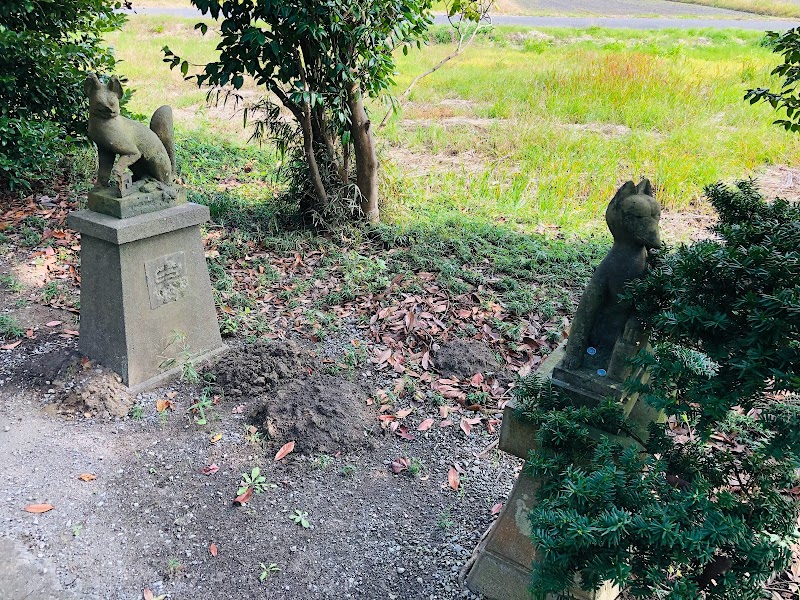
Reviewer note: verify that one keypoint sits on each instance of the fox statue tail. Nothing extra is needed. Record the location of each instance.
(161, 125)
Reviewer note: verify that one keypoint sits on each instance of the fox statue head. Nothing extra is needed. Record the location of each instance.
(633, 215)
(103, 98)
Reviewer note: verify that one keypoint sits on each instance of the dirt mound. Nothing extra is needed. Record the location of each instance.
(254, 369)
(95, 391)
(321, 414)
(461, 359)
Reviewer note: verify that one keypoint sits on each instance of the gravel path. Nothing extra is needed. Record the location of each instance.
(149, 519)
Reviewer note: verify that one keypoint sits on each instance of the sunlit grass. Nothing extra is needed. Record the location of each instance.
(529, 128)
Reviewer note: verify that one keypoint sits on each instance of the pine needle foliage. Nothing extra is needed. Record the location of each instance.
(704, 507)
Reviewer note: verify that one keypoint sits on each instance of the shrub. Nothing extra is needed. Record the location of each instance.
(30, 151)
(701, 508)
(46, 48)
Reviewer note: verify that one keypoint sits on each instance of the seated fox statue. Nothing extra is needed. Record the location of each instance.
(604, 332)
(148, 152)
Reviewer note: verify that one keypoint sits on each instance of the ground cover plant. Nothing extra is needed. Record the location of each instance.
(706, 506)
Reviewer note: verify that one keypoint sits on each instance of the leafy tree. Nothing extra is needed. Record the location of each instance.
(318, 61)
(704, 507)
(46, 48)
(788, 98)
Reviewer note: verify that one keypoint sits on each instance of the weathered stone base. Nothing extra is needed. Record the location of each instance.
(501, 563)
(501, 568)
(155, 197)
(146, 300)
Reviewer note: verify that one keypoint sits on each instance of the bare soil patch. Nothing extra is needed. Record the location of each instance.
(251, 370)
(780, 181)
(149, 518)
(321, 414)
(421, 164)
(461, 359)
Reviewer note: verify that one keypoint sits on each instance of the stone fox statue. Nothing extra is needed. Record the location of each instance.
(604, 332)
(146, 151)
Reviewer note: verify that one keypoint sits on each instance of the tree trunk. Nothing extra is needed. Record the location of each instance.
(365, 155)
(311, 159)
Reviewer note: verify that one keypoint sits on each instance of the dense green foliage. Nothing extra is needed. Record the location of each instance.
(788, 98)
(46, 49)
(702, 508)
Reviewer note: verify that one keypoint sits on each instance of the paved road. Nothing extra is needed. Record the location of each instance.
(622, 8)
(758, 24)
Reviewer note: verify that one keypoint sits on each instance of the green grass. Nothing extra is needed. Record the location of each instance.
(524, 129)
(9, 328)
(563, 120)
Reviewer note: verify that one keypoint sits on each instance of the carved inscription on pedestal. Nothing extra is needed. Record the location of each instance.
(166, 279)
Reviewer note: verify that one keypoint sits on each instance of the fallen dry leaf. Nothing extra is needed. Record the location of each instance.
(403, 432)
(425, 425)
(400, 464)
(497, 508)
(402, 414)
(209, 470)
(163, 404)
(476, 380)
(212, 549)
(147, 594)
(242, 498)
(215, 438)
(453, 479)
(171, 395)
(446, 423)
(285, 449)
(39, 508)
(87, 477)
(11, 346)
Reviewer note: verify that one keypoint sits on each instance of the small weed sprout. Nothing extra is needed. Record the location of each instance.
(300, 518)
(9, 328)
(11, 283)
(253, 480)
(137, 412)
(185, 359)
(174, 566)
(322, 461)
(445, 520)
(416, 467)
(204, 403)
(253, 436)
(348, 470)
(50, 292)
(267, 571)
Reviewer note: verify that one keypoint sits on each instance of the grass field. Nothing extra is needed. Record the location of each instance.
(526, 128)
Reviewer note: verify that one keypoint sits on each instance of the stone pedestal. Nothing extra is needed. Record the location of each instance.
(125, 204)
(146, 300)
(501, 567)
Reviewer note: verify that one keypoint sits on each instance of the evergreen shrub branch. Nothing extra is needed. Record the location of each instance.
(703, 509)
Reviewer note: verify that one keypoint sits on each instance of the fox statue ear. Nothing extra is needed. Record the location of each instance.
(91, 83)
(627, 189)
(644, 187)
(115, 86)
